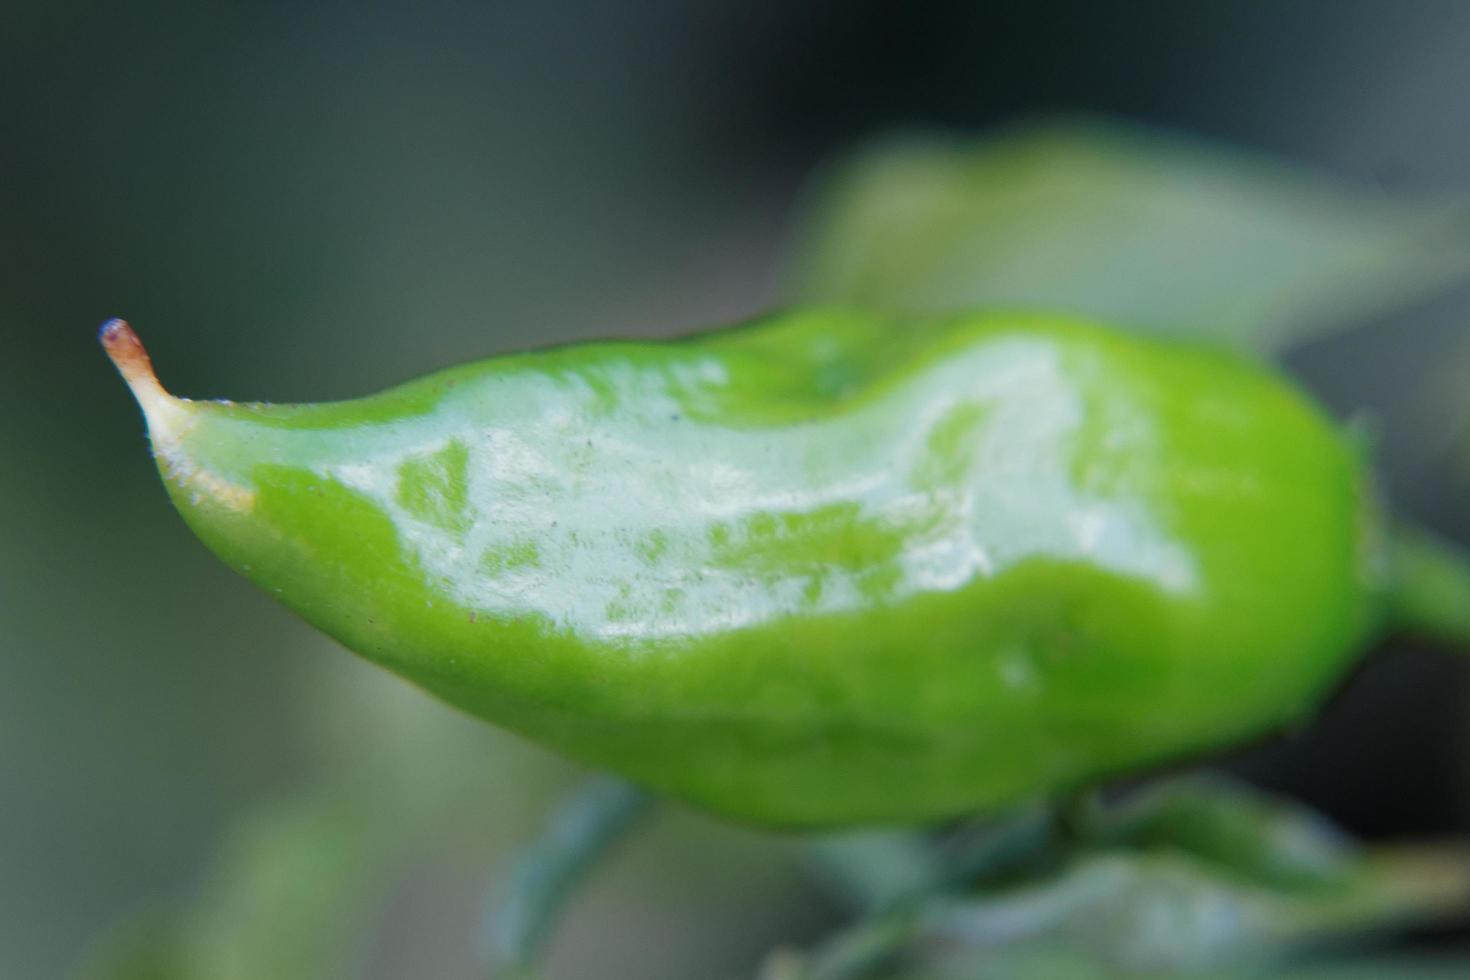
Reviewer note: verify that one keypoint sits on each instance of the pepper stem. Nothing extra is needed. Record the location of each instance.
(1430, 587)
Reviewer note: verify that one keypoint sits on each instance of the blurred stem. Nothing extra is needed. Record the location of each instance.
(854, 952)
(953, 864)
(878, 870)
(1077, 815)
(548, 872)
(1430, 587)
(986, 850)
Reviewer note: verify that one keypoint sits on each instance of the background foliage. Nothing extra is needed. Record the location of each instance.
(305, 201)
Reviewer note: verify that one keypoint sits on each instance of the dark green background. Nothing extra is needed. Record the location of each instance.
(299, 201)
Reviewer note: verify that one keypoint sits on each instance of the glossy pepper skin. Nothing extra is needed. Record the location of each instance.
(827, 568)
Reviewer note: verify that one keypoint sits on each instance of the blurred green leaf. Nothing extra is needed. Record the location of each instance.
(1195, 875)
(290, 889)
(299, 886)
(1160, 232)
(1242, 831)
(1406, 968)
(145, 947)
(1155, 913)
(1113, 915)
(1053, 965)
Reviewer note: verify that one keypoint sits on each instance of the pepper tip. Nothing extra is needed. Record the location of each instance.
(129, 356)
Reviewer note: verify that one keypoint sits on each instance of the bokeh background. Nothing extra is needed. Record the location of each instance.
(304, 201)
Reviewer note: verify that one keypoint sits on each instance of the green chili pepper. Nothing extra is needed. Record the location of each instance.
(826, 568)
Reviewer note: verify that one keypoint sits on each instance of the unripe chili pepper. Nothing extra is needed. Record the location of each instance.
(826, 568)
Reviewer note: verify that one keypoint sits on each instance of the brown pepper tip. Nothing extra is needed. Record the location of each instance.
(129, 356)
